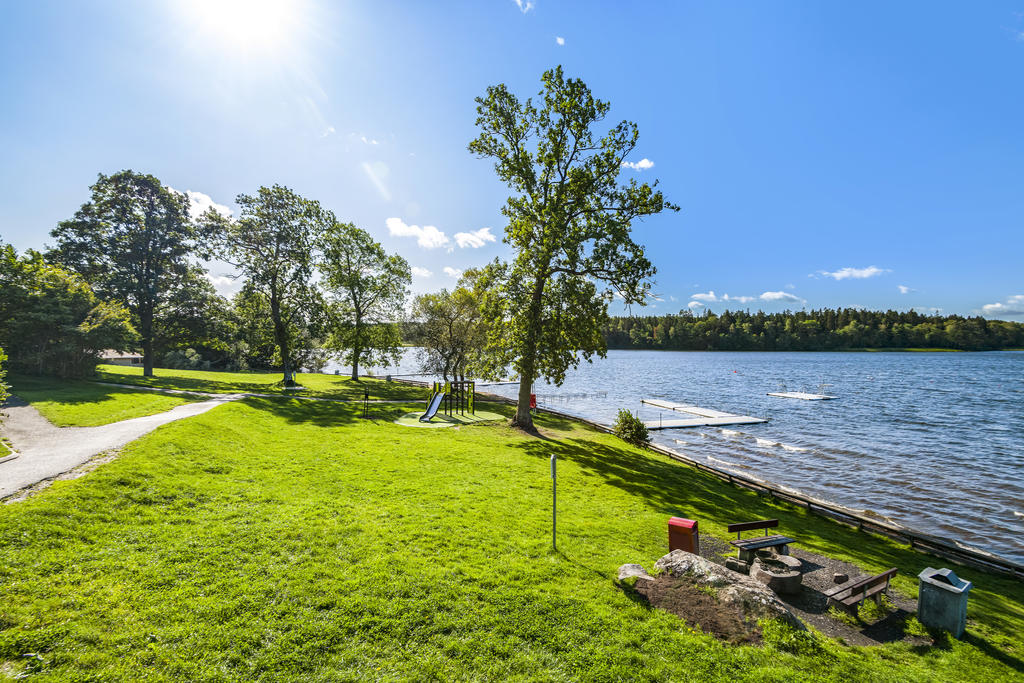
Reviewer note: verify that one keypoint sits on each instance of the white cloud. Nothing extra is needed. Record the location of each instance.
(427, 237)
(1014, 305)
(225, 285)
(366, 140)
(739, 299)
(641, 165)
(560, 40)
(695, 304)
(377, 172)
(855, 273)
(475, 239)
(199, 202)
(905, 290)
(329, 130)
(524, 5)
(781, 296)
(672, 298)
(421, 272)
(706, 296)
(452, 272)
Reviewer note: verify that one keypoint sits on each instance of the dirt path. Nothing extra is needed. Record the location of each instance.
(45, 451)
(255, 395)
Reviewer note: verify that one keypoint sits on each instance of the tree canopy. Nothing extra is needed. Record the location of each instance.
(569, 225)
(51, 322)
(273, 243)
(131, 243)
(450, 332)
(369, 287)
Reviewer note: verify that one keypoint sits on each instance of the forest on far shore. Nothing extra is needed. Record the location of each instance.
(818, 330)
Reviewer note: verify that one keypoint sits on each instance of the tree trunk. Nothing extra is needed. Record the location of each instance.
(528, 363)
(356, 352)
(281, 337)
(146, 323)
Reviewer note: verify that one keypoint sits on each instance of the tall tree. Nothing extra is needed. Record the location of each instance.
(369, 287)
(130, 242)
(272, 243)
(51, 322)
(569, 223)
(450, 333)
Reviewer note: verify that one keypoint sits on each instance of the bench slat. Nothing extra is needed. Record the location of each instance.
(764, 542)
(861, 589)
(749, 526)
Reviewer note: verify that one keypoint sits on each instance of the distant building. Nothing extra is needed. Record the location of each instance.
(112, 357)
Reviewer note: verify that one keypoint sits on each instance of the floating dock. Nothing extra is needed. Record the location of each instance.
(802, 395)
(706, 417)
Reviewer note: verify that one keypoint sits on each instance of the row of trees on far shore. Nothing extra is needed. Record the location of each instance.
(818, 330)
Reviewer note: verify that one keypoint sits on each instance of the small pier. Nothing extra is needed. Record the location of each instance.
(705, 417)
(801, 395)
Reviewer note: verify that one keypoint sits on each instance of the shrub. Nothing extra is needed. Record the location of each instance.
(630, 429)
(3, 387)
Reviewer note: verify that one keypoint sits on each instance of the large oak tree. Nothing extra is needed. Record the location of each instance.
(131, 243)
(569, 221)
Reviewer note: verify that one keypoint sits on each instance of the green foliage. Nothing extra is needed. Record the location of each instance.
(88, 404)
(51, 322)
(273, 244)
(818, 330)
(369, 287)
(631, 429)
(569, 224)
(131, 243)
(274, 539)
(450, 332)
(3, 373)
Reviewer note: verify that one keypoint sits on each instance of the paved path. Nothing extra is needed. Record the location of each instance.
(45, 451)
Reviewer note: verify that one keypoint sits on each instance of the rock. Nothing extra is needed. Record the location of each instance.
(840, 578)
(754, 599)
(632, 573)
(735, 564)
(781, 578)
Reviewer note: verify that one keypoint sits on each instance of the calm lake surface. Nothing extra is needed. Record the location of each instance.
(934, 441)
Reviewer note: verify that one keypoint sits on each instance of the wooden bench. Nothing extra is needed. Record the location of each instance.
(748, 547)
(855, 593)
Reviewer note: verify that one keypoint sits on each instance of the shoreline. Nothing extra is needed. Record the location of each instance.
(855, 519)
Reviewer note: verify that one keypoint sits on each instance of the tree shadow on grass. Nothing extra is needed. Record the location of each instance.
(673, 488)
(325, 413)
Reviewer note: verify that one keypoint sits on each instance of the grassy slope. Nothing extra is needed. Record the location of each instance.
(325, 386)
(84, 404)
(4, 450)
(272, 539)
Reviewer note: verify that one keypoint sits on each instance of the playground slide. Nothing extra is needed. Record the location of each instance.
(435, 403)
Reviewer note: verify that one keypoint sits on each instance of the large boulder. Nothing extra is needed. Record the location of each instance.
(752, 597)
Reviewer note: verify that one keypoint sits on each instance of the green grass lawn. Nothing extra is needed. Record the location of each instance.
(4, 450)
(86, 404)
(274, 539)
(322, 386)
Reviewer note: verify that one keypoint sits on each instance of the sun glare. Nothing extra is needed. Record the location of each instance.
(246, 27)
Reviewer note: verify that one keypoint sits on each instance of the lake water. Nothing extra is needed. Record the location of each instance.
(934, 441)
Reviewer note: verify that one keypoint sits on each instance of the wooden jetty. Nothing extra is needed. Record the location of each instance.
(801, 395)
(705, 416)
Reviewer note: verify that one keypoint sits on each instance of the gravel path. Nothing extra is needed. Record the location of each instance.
(45, 451)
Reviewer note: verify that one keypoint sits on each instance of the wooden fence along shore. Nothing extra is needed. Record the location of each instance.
(917, 540)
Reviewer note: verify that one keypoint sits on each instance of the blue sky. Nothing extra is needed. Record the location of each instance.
(824, 154)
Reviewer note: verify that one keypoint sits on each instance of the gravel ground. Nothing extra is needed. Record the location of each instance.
(811, 604)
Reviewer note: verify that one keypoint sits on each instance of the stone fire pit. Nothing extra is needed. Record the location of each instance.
(781, 573)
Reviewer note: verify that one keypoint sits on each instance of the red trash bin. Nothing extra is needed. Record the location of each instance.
(533, 401)
(682, 535)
